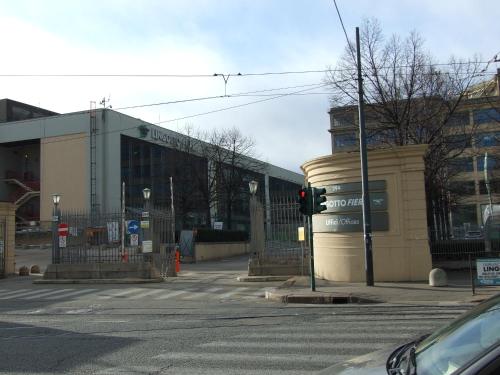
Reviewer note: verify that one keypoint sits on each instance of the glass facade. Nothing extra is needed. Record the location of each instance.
(486, 115)
(144, 164)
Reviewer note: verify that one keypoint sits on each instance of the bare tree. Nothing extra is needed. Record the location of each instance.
(410, 100)
(231, 164)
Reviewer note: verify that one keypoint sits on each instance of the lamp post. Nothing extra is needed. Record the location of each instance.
(56, 198)
(256, 219)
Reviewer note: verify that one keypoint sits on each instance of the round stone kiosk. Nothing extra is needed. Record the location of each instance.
(399, 218)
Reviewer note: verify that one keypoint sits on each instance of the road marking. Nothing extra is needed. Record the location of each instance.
(317, 359)
(234, 291)
(15, 291)
(334, 335)
(261, 293)
(369, 346)
(71, 294)
(172, 294)
(202, 294)
(24, 292)
(147, 293)
(181, 370)
(43, 295)
(121, 293)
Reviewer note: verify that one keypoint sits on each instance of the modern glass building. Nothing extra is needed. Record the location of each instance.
(86, 156)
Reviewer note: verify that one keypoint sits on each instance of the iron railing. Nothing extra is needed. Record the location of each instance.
(98, 238)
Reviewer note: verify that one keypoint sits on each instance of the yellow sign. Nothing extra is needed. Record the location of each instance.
(300, 232)
(145, 224)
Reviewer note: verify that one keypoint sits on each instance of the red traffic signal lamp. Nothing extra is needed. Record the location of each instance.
(304, 201)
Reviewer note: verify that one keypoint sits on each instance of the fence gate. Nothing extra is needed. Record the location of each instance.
(97, 239)
(3, 245)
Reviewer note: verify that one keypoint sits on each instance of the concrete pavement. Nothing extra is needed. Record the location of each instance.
(297, 290)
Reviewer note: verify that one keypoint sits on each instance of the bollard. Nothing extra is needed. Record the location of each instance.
(177, 260)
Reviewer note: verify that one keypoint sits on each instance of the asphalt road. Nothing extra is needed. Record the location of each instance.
(204, 322)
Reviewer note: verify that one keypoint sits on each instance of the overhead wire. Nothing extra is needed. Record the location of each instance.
(83, 136)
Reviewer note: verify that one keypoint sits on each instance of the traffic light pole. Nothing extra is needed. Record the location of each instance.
(367, 220)
(311, 242)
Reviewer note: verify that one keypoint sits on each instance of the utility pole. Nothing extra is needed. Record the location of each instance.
(367, 220)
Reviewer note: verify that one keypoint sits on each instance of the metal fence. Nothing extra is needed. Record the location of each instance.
(98, 238)
(281, 226)
(3, 245)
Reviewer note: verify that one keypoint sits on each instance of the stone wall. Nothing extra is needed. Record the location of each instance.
(8, 215)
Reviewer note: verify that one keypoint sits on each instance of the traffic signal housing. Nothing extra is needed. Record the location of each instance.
(303, 200)
(318, 199)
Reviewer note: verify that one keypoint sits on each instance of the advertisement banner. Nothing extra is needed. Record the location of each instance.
(488, 271)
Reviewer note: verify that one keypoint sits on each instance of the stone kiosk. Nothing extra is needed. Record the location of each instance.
(399, 219)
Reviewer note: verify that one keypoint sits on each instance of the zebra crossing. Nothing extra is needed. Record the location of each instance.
(192, 293)
(298, 349)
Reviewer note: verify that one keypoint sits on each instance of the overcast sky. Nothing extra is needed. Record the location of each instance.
(203, 37)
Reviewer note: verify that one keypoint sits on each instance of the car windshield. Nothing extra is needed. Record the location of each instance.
(452, 347)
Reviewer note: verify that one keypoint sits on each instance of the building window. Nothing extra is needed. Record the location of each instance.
(343, 141)
(494, 186)
(459, 141)
(493, 163)
(487, 139)
(483, 116)
(463, 215)
(460, 165)
(463, 188)
(459, 119)
(343, 120)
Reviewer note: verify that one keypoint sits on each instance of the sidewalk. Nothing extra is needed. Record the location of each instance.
(297, 290)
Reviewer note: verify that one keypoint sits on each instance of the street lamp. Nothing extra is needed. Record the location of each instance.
(253, 185)
(146, 192)
(56, 198)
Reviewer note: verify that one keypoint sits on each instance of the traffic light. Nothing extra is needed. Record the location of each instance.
(303, 200)
(318, 198)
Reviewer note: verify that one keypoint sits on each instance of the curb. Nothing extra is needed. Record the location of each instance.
(262, 278)
(100, 281)
(320, 298)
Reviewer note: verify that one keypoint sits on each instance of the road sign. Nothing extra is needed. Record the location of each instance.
(145, 224)
(147, 246)
(133, 227)
(145, 214)
(63, 230)
(62, 241)
(488, 271)
(134, 240)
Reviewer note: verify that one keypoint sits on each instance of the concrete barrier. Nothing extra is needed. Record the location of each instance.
(219, 250)
(141, 270)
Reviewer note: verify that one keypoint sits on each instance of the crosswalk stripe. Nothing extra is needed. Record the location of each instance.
(147, 293)
(295, 345)
(234, 291)
(359, 328)
(253, 357)
(396, 336)
(259, 293)
(202, 294)
(172, 294)
(43, 295)
(15, 292)
(139, 370)
(71, 294)
(24, 292)
(121, 293)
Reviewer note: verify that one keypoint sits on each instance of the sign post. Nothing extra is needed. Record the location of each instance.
(63, 233)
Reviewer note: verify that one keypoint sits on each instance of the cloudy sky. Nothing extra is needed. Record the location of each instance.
(194, 39)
